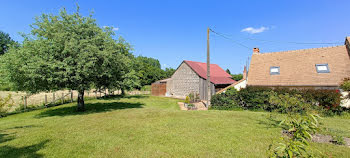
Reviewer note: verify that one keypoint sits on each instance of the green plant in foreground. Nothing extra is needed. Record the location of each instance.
(299, 123)
(301, 128)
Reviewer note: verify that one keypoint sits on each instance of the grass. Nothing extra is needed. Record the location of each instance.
(145, 126)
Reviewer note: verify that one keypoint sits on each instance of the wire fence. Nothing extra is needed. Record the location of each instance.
(23, 101)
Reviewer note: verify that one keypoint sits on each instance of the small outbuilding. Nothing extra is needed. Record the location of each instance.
(190, 77)
(159, 87)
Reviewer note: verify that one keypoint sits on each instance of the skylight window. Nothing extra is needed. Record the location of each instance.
(322, 68)
(274, 70)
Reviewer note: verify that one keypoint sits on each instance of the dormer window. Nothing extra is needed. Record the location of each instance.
(274, 70)
(322, 68)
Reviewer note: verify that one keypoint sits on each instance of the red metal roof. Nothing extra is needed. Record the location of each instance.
(217, 74)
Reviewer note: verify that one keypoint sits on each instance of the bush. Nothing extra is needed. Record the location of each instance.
(225, 101)
(187, 100)
(345, 84)
(194, 97)
(253, 97)
(286, 103)
(264, 98)
(300, 128)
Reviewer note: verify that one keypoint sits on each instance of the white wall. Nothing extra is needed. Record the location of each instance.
(345, 102)
(241, 85)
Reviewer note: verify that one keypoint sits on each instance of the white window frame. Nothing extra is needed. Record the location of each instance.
(275, 73)
(322, 71)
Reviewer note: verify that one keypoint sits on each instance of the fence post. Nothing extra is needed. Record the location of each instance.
(45, 99)
(25, 102)
(96, 94)
(53, 98)
(100, 94)
(62, 98)
(71, 96)
(106, 92)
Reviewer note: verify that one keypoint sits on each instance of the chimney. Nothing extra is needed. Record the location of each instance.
(245, 73)
(256, 51)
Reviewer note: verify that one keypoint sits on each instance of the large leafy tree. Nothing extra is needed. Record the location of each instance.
(68, 51)
(169, 72)
(5, 42)
(148, 70)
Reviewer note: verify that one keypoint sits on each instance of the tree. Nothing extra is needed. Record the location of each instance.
(228, 71)
(68, 51)
(237, 77)
(5, 42)
(148, 70)
(169, 72)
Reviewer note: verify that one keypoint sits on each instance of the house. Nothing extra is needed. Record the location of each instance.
(319, 68)
(239, 84)
(316, 68)
(190, 77)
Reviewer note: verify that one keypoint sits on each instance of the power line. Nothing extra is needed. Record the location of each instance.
(293, 42)
(228, 38)
(276, 41)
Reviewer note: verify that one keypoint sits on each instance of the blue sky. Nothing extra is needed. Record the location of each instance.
(172, 31)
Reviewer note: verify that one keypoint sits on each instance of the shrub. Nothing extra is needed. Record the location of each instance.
(301, 127)
(194, 97)
(253, 97)
(286, 103)
(264, 98)
(187, 100)
(225, 101)
(345, 85)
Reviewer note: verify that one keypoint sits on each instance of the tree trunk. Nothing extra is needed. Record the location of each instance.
(123, 92)
(81, 105)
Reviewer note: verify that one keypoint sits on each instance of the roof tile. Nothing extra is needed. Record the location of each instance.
(217, 74)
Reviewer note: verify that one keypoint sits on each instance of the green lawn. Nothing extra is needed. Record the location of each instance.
(145, 126)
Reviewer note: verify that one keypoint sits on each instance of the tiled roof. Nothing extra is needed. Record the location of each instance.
(298, 68)
(217, 74)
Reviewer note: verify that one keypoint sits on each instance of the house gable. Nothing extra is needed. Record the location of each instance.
(184, 81)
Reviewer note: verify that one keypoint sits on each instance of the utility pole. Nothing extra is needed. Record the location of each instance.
(208, 70)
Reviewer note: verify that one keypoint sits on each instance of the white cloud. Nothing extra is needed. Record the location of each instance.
(253, 30)
(113, 28)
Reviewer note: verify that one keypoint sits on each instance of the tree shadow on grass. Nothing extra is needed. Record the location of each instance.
(26, 151)
(6, 137)
(270, 123)
(118, 97)
(89, 109)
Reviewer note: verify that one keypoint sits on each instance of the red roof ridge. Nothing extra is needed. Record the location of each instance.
(199, 62)
(217, 74)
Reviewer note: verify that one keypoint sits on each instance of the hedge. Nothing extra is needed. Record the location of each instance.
(261, 98)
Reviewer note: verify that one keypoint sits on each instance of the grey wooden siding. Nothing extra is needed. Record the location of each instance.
(203, 93)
